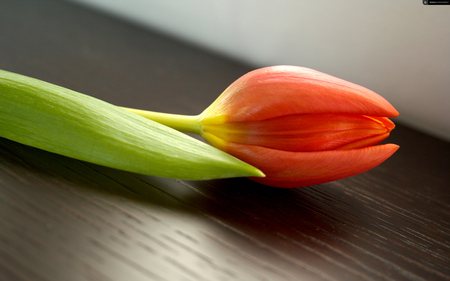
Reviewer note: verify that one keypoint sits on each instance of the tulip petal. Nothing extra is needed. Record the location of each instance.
(306, 132)
(296, 169)
(286, 90)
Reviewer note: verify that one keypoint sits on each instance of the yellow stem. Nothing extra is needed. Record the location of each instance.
(183, 123)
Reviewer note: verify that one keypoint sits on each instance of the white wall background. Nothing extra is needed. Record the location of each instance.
(397, 48)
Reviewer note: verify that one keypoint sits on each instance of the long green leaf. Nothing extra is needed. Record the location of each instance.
(62, 121)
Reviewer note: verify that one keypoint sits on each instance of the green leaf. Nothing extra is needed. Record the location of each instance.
(59, 120)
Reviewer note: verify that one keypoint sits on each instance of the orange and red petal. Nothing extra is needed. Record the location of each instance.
(297, 169)
(287, 90)
(307, 132)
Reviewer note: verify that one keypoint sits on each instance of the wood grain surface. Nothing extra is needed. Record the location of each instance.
(63, 219)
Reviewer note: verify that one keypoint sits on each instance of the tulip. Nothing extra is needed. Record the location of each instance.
(298, 126)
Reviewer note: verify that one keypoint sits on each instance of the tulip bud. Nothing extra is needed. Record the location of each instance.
(299, 126)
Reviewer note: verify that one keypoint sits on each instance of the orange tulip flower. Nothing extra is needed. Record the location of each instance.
(299, 126)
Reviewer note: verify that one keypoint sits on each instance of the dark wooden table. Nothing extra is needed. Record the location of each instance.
(62, 219)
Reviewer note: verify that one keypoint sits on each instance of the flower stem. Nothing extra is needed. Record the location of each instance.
(183, 123)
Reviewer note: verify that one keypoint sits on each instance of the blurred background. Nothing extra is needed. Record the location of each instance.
(399, 49)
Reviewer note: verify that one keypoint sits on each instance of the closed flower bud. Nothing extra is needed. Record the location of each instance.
(298, 126)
